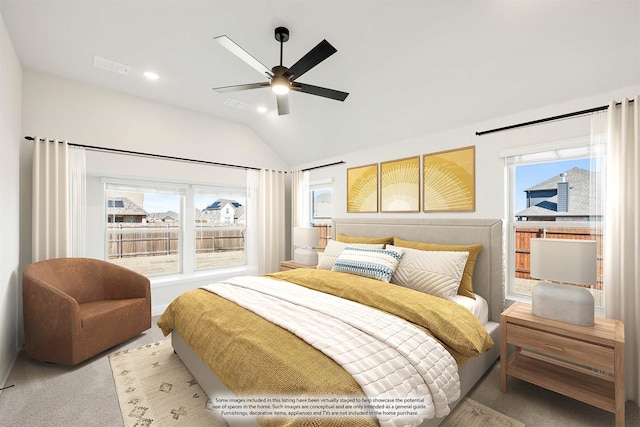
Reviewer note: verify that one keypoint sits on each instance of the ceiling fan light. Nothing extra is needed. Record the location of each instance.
(280, 86)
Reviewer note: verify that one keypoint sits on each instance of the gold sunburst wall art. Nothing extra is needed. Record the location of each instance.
(362, 189)
(400, 185)
(449, 180)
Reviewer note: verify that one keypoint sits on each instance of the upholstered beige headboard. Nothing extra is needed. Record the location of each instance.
(488, 277)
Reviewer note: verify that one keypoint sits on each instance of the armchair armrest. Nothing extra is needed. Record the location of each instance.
(51, 317)
(122, 283)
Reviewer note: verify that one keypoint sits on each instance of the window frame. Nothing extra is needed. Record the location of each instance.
(229, 191)
(570, 149)
(147, 186)
(326, 184)
(187, 229)
(324, 223)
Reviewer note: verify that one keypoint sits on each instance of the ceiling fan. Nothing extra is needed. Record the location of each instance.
(283, 79)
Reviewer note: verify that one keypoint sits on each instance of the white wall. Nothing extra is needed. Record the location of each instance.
(83, 114)
(490, 176)
(10, 128)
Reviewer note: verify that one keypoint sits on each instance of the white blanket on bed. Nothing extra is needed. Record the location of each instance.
(386, 355)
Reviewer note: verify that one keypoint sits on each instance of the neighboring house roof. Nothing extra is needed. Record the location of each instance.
(123, 206)
(220, 203)
(580, 202)
(164, 216)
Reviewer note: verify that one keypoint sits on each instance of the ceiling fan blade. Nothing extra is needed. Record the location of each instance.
(322, 51)
(283, 104)
(319, 91)
(233, 47)
(241, 87)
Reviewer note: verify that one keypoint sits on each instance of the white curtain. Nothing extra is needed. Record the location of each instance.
(50, 203)
(622, 231)
(252, 248)
(267, 224)
(77, 201)
(300, 205)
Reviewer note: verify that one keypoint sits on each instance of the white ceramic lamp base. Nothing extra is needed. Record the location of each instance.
(306, 256)
(565, 303)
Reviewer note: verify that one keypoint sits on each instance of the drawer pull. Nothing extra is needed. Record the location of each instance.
(554, 347)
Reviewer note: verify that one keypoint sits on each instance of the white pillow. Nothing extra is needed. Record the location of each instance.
(334, 248)
(436, 273)
(376, 264)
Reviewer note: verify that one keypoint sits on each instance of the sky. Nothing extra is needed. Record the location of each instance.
(529, 175)
(158, 202)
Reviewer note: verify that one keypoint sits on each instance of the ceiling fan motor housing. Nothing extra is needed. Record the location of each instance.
(282, 34)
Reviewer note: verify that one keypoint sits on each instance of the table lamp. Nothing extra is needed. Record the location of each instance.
(564, 261)
(306, 239)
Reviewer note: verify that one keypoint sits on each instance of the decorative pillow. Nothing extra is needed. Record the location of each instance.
(466, 284)
(369, 240)
(327, 258)
(436, 273)
(377, 264)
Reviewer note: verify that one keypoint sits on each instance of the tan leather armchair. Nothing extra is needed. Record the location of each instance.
(75, 308)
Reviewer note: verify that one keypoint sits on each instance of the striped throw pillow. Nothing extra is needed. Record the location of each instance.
(376, 264)
(328, 258)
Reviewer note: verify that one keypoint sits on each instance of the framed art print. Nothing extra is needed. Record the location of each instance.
(362, 189)
(400, 185)
(449, 180)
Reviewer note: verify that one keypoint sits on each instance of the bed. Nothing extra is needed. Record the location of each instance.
(213, 375)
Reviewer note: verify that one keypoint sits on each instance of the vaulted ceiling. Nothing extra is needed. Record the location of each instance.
(411, 67)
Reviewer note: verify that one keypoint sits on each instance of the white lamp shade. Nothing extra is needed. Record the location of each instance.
(306, 237)
(563, 260)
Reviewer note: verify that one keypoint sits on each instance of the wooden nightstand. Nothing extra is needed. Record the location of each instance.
(290, 265)
(583, 362)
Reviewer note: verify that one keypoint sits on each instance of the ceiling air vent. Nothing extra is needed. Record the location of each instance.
(109, 65)
(234, 103)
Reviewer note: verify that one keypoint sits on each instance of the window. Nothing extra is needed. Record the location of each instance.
(320, 204)
(144, 228)
(220, 228)
(555, 192)
(157, 228)
(320, 208)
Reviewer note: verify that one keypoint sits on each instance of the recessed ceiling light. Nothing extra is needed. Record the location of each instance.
(151, 75)
(262, 109)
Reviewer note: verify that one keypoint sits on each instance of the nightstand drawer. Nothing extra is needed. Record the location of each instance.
(580, 352)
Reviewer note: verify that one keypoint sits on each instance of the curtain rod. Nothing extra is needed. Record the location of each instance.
(323, 166)
(157, 156)
(548, 119)
(162, 156)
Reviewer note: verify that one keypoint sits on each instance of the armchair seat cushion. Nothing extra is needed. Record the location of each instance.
(75, 308)
(109, 322)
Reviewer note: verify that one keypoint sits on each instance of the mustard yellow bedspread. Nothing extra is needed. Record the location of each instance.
(252, 356)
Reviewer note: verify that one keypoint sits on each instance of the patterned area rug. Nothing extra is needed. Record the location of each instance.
(470, 413)
(155, 389)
